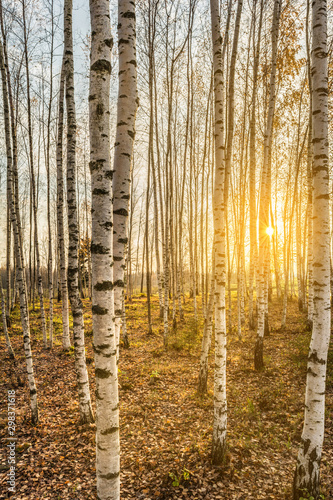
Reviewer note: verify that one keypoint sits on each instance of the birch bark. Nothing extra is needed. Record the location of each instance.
(86, 414)
(309, 179)
(106, 371)
(4, 323)
(220, 396)
(60, 218)
(252, 176)
(126, 112)
(32, 180)
(307, 474)
(14, 210)
(265, 199)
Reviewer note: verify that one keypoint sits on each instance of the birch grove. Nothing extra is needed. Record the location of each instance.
(166, 250)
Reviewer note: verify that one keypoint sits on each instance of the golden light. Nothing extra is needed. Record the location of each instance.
(270, 231)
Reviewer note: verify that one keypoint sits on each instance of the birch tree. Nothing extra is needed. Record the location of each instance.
(126, 112)
(264, 204)
(21, 280)
(252, 176)
(32, 177)
(106, 371)
(220, 396)
(307, 474)
(66, 342)
(86, 414)
(4, 323)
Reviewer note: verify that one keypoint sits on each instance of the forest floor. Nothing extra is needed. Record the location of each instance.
(165, 427)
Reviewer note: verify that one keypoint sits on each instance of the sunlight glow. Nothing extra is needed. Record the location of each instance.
(270, 231)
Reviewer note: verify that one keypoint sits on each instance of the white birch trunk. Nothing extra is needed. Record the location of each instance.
(4, 323)
(126, 112)
(82, 378)
(220, 396)
(206, 339)
(14, 210)
(66, 342)
(263, 262)
(309, 181)
(252, 177)
(32, 180)
(307, 474)
(106, 371)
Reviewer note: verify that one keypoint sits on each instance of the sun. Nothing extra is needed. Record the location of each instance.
(270, 231)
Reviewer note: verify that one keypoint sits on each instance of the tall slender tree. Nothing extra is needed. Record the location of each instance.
(106, 372)
(307, 474)
(32, 176)
(66, 342)
(220, 396)
(126, 112)
(264, 205)
(21, 279)
(86, 414)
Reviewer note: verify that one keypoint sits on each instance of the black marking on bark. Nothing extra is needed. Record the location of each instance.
(103, 285)
(100, 351)
(321, 157)
(307, 443)
(132, 61)
(101, 65)
(119, 283)
(100, 373)
(313, 455)
(99, 109)
(107, 225)
(125, 197)
(122, 41)
(311, 372)
(98, 249)
(131, 134)
(121, 211)
(100, 347)
(33, 392)
(117, 259)
(100, 311)
(111, 475)
(100, 192)
(95, 165)
(109, 42)
(110, 430)
(128, 15)
(314, 358)
(322, 90)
